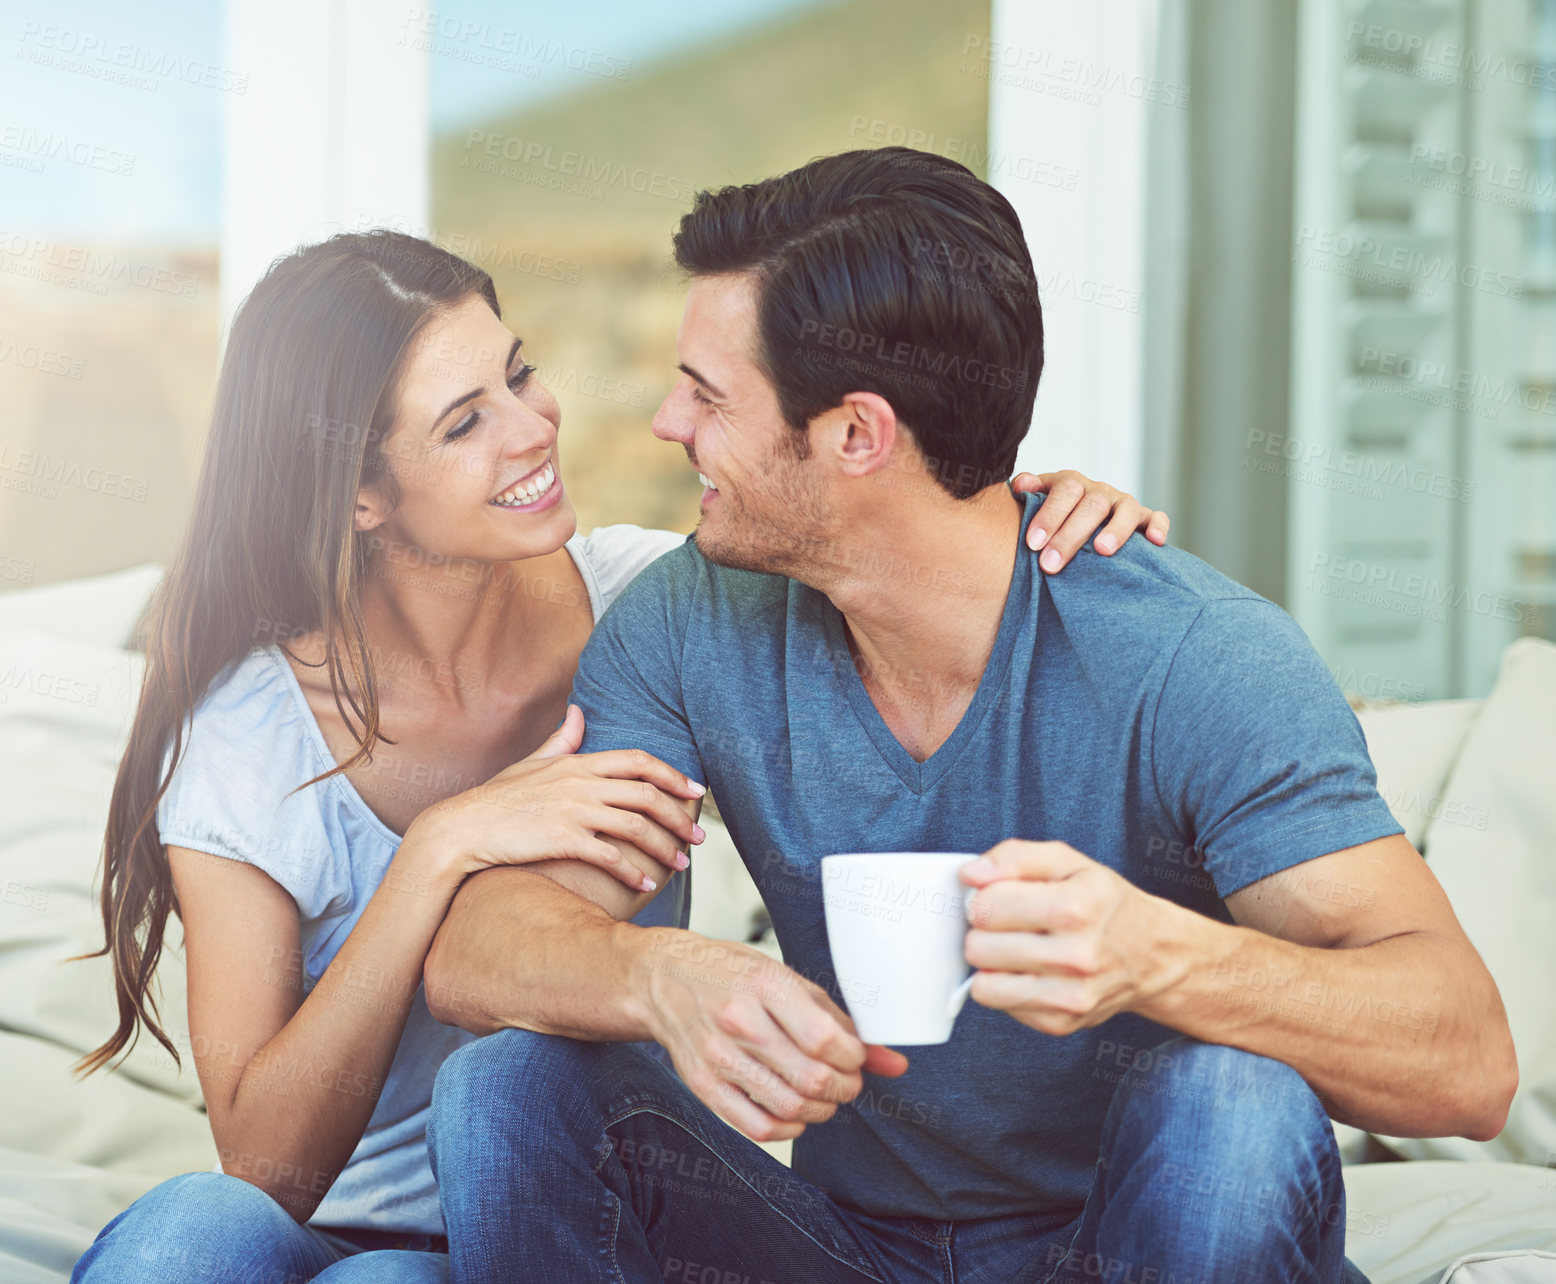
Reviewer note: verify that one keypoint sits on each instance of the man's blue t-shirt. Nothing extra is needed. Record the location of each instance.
(1155, 715)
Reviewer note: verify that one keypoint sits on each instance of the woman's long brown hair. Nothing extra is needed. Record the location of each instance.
(303, 404)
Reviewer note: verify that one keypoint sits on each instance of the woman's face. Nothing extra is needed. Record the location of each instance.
(473, 447)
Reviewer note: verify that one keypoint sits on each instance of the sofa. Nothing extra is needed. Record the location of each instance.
(1472, 781)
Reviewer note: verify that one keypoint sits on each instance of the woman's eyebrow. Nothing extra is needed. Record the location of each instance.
(476, 392)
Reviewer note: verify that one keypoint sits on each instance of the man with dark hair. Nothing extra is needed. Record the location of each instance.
(856, 653)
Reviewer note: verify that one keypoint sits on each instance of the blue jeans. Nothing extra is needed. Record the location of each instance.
(208, 1228)
(559, 1159)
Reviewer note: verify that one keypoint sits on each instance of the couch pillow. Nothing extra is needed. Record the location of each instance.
(1414, 747)
(65, 711)
(1492, 845)
(101, 609)
(1404, 1223)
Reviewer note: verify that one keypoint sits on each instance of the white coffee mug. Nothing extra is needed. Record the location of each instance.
(896, 922)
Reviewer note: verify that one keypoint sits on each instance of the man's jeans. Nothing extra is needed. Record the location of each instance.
(558, 1159)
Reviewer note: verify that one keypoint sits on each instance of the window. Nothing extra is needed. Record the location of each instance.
(109, 142)
(569, 142)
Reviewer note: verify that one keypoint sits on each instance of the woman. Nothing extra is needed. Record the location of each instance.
(378, 606)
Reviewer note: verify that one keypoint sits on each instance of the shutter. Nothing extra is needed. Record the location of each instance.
(1421, 461)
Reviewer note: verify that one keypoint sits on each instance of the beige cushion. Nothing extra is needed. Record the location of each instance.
(1413, 747)
(1406, 1222)
(101, 609)
(1493, 848)
(105, 1121)
(725, 902)
(64, 717)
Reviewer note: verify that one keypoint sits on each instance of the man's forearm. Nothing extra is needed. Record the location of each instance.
(1391, 1036)
(519, 949)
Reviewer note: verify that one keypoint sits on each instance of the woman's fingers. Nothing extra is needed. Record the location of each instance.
(599, 852)
(1089, 512)
(566, 738)
(1130, 516)
(649, 837)
(639, 764)
(1033, 483)
(651, 801)
(1064, 490)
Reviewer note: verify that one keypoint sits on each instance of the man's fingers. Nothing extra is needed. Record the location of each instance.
(1037, 953)
(1029, 905)
(767, 1087)
(1004, 991)
(885, 1061)
(1157, 527)
(1023, 858)
(733, 1105)
(816, 1026)
(778, 1074)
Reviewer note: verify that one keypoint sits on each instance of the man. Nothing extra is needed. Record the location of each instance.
(1196, 925)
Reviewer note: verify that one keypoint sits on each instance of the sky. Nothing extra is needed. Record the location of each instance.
(106, 128)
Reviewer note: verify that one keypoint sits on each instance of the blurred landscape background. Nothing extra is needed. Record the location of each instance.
(755, 104)
(1297, 258)
(109, 309)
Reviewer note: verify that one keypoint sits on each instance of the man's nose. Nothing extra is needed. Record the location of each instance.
(668, 425)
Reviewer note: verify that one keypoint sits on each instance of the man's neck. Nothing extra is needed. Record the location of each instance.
(922, 597)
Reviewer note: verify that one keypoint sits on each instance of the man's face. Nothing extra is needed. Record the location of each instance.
(766, 509)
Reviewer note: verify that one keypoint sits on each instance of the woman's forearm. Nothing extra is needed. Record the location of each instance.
(302, 1103)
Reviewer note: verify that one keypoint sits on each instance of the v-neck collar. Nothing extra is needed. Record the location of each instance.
(922, 776)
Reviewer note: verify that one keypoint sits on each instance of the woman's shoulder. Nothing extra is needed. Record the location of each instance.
(610, 557)
(246, 748)
(249, 711)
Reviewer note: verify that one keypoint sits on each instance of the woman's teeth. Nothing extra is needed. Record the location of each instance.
(703, 477)
(522, 493)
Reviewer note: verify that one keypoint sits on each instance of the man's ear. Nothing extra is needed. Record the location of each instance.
(862, 432)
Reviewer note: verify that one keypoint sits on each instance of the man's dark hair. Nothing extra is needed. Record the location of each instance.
(891, 271)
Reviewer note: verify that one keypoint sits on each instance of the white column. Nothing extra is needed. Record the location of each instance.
(330, 135)
(1070, 88)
